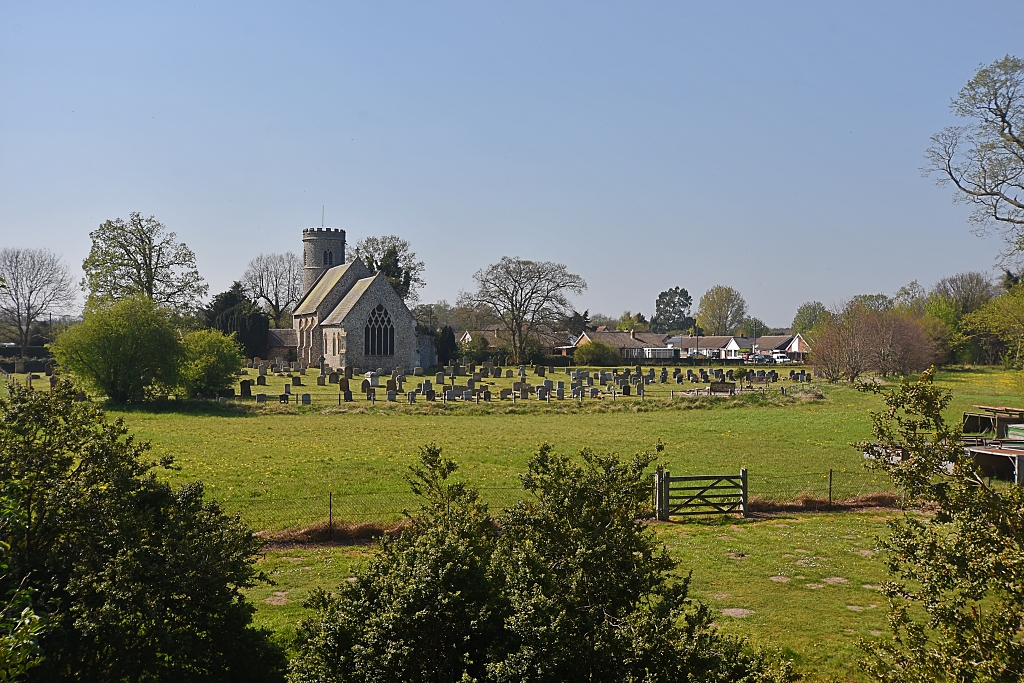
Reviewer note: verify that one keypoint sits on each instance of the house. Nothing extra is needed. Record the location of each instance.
(550, 341)
(794, 346)
(721, 347)
(347, 316)
(630, 345)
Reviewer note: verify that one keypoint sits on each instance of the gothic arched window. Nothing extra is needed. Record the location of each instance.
(328, 257)
(379, 335)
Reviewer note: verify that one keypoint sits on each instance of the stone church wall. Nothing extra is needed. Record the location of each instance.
(406, 339)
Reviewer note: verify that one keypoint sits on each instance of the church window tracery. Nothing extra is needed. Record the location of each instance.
(379, 333)
(328, 257)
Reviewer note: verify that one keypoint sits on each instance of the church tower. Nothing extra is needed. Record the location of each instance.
(322, 248)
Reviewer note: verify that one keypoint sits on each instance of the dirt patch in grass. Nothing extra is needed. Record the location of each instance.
(324, 534)
(811, 503)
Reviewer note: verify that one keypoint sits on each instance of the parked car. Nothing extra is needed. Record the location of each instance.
(760, 359)
(780, 357)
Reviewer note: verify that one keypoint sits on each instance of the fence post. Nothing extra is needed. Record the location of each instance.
(830, 487)
(330, 516)
(743, 493)
(666, 490)
(657, 494)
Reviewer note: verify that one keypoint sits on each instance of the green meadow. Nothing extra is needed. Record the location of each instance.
(803, 582)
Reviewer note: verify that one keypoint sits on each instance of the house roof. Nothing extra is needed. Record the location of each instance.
(496, 337)
(714, 342)
(624, 340)
(774, 342)
(311, 300)
(282, 337)
(346, 305)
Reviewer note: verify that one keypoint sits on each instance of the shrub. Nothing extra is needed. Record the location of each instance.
(122, 350)
(596, 353)
(209, 361)
(574, 588)
(134, 580)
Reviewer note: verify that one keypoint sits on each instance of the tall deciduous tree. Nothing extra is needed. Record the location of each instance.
(970, 291)
(809, 316)
(233, 312)
(36, 283)
(139, 256)
(721, 310)
(672, 311)
(524, 296)
(276, 281)
(392, 256)
(984, 160)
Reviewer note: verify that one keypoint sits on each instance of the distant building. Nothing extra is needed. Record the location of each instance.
(630, 345)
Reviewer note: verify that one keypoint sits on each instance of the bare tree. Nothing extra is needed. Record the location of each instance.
(139, 256)
(524, 296)
(721, 310)
(970, 291)
(984, 160)
(37, 283)
(276, 281)
(897, 344)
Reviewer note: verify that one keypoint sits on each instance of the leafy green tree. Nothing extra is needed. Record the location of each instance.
(872, 302)
(233, 312)
(392, 256)
(595, 353)
(576, 323)
(20, 626)
(956, 604)
(721, 310)
(632, 321)
(753, 327)
(672, 311)
(1002, 317)
(574, 588)
(139, 257)
(209, 362)
(135, 581)
(447, 347)
(809, 316)
(123, 350)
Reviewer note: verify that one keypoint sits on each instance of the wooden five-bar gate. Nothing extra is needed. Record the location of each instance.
(700, 495)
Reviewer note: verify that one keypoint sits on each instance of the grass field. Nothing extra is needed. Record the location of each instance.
(276, 465)
(805, 583)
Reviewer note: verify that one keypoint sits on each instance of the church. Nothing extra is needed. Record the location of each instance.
(348, 316)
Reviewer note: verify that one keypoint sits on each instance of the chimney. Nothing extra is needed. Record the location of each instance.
(632, 333)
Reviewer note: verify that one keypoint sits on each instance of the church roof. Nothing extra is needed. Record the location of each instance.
(282, 337)
(321, 288)
(337, 316)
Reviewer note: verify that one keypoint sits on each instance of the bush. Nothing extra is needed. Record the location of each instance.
(574, 588)
(597, 353)
(123, 350)
(134, 580)
(209, 362)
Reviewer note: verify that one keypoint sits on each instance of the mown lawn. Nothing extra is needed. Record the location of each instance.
(804, 583)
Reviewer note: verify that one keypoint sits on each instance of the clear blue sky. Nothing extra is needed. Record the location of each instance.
(773, 147)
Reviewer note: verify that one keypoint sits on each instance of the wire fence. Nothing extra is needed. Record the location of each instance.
(321, 515)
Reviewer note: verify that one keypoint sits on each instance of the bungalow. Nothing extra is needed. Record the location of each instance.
(794, 346)
(549, 340)
(721, 347)
(630, 344)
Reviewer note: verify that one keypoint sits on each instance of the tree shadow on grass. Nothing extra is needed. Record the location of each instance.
(197, 407)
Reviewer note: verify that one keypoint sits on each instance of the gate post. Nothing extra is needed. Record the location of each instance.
(743, 492)
(666, 487)
(657, 495)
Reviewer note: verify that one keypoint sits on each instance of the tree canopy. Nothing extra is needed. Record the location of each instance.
(392, 256)
(276, 281)
(984, 159)
(809, 316)
(35, 283)
(672, 311)
(208, 363)
(232, 312)
(123, 350)
(721, 310)
(524, 296)
(140, 257)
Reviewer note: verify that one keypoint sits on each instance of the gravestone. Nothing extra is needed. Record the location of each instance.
(392, 395)
(283, 398)
(439, 379)
(263, 370)
(287, 388)
(485, 395)
(449, 395)
(332, 378)
(625, 390)
(417, 371)
(348, 372)
(505, 394)
(321, 381)
(365, 386)
(594, 392)
(392, 385)
(246, 388)
(371, 394)
(430, 394)
(347, 396)
(261, 398)
(410, 397)
(467, 395)
(228, 393)
(426, 386)
(307, 399)
(296, 381)
(542, 393)
(560, 391)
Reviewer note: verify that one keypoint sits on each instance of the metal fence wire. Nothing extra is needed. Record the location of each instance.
(332, 510)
